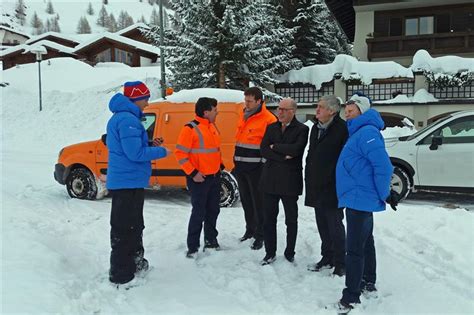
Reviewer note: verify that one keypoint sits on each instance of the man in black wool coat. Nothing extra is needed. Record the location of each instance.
(282, 177)
(328, 136)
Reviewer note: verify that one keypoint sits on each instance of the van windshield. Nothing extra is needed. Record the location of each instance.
(148, 122)
(433, 125)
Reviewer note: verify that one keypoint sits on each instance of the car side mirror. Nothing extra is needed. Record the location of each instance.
(104, 139)
(436, 141)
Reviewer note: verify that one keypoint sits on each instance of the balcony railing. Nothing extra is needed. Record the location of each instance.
(396, 46)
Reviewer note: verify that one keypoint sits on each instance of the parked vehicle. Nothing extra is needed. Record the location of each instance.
(438, 157)
(82, 167)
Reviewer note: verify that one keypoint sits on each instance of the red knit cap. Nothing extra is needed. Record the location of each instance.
(136, 90)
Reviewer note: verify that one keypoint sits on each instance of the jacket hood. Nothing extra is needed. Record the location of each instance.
(120, 103)
(369, 118)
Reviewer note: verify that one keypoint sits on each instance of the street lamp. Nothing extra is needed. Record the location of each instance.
(162, 57)
(39, 51)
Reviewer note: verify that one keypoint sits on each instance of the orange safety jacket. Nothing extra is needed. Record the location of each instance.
(198, 148)
(250, 133)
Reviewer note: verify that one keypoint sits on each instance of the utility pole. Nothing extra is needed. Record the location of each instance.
(162, 54)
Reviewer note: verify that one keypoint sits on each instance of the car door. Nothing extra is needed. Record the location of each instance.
(451, 163)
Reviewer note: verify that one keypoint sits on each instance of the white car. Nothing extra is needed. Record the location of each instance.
(438, 157)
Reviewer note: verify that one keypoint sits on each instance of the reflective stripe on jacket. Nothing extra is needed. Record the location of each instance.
(250, 133)
(198, 148)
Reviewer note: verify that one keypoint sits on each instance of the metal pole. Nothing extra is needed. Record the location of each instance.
(162, 54)
(39, 76)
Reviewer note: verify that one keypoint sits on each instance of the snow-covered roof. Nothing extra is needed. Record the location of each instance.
(350, 68)
(46, 43)
(422, 61)
(121, 39)
(55, 34)
(14, 31)
(221, 95)
(131, 27)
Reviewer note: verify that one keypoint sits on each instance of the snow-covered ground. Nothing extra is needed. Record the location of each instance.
(55, 250)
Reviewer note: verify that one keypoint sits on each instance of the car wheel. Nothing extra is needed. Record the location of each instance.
(401, 182)
(81, 184)
(229, 190)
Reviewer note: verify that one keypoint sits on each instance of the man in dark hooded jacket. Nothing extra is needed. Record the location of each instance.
(328, 136)
(128, 173)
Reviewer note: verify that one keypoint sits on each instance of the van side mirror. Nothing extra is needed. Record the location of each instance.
(104, 139)
(436, 141)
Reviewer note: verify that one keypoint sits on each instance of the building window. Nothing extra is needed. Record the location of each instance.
(123, 56)
(457, 92)
(103, 56)
(419, 25)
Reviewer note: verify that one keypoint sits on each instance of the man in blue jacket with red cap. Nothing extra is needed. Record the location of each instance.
(128, 173)
(363, 175)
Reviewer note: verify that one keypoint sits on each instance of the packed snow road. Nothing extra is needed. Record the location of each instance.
(55, 257)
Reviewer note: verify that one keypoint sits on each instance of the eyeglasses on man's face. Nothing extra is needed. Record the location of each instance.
(283, 109)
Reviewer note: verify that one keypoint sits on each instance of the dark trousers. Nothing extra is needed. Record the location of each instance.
(126, 221)
(333, 235)
(360, 256)
(270, 203)
(251, 198)
(205, 198)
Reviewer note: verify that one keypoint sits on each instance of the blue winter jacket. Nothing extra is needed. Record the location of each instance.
(364, 170)
(127, 141)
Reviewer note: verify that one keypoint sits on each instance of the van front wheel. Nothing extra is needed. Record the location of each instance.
(81, 184)
(229, 189)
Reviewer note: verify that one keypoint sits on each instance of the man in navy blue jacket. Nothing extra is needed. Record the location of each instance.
(363, 175)
(128, 173)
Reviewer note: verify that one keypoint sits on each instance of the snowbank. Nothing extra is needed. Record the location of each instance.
(350, 68)
(421, 96)
(422, 61)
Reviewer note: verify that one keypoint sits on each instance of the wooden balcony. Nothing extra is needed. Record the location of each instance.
(435, 44)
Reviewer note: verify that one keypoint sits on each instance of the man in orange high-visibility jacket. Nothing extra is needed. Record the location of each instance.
(248, 162)
(198, 153)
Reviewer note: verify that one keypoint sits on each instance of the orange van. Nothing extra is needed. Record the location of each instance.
(82, 167)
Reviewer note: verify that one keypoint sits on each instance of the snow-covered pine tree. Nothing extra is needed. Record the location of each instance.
(48, 25)
(142, 20)
(154, 17)
(318, 38)
(49, 7)
(83, 26)
(226, 44)
(90, 9)
(112, 24)
(20, 13)
(103, 17)
(151, 2)
(37, 24)
(124, 20)
(55, 24)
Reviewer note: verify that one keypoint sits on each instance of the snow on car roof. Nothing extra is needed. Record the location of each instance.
(191, 96)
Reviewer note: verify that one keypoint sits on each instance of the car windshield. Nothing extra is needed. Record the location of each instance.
(436, 123)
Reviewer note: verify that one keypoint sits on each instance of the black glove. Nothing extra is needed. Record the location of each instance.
(393, 199)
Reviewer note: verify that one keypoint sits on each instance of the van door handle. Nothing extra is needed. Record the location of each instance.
(167, 117)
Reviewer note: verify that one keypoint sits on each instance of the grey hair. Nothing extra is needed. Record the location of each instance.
(292, 102)
(332, 102)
